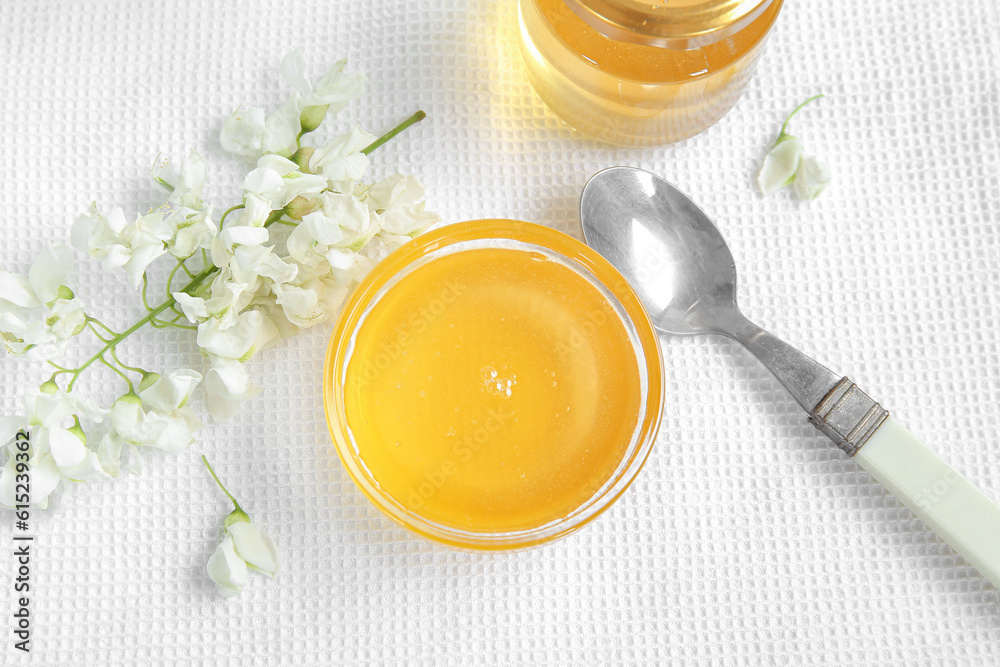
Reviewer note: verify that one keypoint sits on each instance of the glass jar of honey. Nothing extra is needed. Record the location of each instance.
(643, 72)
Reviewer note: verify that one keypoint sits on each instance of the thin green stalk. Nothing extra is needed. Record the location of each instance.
(145, 284)
(784, 125)
(170, 278)
(93, 330)
(228, 211)
(102, 325)
(216, 478)
(190, 287)
(110, 365)
(114, 355)
(415, 118)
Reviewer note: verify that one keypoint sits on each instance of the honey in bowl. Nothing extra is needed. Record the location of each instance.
(488, 389)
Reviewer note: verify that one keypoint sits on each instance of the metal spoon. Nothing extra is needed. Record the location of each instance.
(679, 265)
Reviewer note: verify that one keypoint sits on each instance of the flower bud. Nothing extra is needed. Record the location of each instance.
(76, 430)
(129, 398)
(299, 207)
(65, 293)
(302, 156)
(48, 387)
(236, 516)
(148, 379)
(312, 116)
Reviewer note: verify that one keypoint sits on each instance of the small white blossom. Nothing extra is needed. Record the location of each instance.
(787, 164)
(250, 134)
(244, 547)
(278, 180)
(811, 178)
(38, 312)
(399, 202)
(340, 159)
(227, 384)
(190, 230)
(780, 165)
(184, 184)
(227, 569)
(118, 244)
(249, 334)
(334, 89)
(55, 451)
(341, 221)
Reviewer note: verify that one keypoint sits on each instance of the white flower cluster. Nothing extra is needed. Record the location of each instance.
(282, 260)
(38, 312)
(787, 164)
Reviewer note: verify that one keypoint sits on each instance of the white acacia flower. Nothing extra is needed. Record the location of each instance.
(334, 89)
(184, 184)
(41, 286)
(278, 181)
(170, 392)
(399, 202)
(227, 569)
(262, 261)
(167, 430)
(341, 221)
(118, 244)
(249, 334)
(45, 477)
(244, 547)
(787, 164)
(811, 178)
(246, 229)
(56, 452)
(250, 134)
(227, 299)
(243, 132)
(38, 313)
(340, 159)
(102, 237)
(227, 384)
(66, 318)
(780, 165)
(190, 230)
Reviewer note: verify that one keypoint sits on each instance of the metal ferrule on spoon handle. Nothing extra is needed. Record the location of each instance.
(948, 503)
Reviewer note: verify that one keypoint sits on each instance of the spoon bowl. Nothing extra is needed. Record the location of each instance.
(671, 252)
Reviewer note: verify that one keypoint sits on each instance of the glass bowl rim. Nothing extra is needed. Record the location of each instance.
(371, 288)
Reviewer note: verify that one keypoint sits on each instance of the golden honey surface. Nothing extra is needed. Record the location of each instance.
(492, 389)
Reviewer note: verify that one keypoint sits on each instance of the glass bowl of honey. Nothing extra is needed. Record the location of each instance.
(635, 72)
(493, 385)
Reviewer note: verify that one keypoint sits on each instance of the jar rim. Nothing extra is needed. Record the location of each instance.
(678, 24)
(648, 355)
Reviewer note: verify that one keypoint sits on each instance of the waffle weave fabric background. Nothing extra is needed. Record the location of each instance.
(747, 539)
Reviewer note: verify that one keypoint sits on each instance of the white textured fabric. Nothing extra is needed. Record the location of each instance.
(747, 538)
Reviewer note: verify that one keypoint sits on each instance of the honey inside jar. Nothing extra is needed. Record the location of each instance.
(628, 92)
(492, 389)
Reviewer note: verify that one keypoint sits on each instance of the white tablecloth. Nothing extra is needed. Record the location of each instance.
(747, 538)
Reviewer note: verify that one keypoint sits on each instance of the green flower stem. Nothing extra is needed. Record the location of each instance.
(170, 278)
(102, 325)
(412, 120)
(228, 211)
(145, 284)
(190, 287)
(110, 365)
(216, 478)
(97, 335)
(784, 126)
(114, 355)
